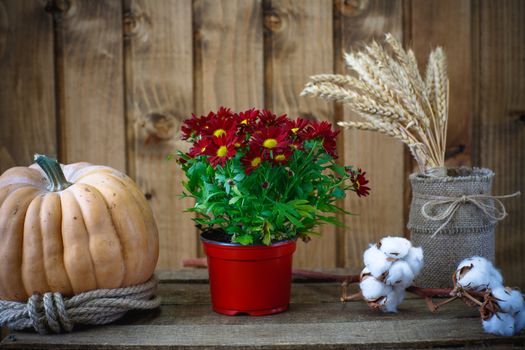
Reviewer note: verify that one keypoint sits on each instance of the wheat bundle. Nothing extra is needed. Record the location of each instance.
(388, 92)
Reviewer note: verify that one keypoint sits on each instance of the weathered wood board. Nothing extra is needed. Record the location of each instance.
(27, 83)
(298, 43)
(159, 96)
(316, 320)
(499, 129)
(381, 213)
(91, 80)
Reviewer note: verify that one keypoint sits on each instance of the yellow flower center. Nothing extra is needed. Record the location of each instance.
(237, 144)
(245, 122)
(203, 149)
(357, 185)
(295, 130)
(280, 157)
(219, 132)
(256, 161)
(222, 151)
(270, 143)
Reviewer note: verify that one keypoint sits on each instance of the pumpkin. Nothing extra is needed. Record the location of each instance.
(72, 228)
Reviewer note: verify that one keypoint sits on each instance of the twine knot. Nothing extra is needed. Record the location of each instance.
(51, 312)
(490, 205)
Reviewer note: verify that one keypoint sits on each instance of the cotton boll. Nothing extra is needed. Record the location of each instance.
(365, 271)
(500, 323)
(400, 274)
(392, 300)
(476, 279)
(476, 260)
(496, 278)
(395, 247)
(414, 258)
(400, 294)
(478, 274)
(509, 300)
(372, 288)
(519, 320)
(376, 261)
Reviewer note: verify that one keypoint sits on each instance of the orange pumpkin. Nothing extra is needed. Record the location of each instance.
(72, 228)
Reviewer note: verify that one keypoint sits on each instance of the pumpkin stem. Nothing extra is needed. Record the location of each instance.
(54, 173)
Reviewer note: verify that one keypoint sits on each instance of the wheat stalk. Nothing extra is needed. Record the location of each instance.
(387, 90)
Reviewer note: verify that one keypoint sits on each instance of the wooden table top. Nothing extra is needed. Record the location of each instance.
(316, 319)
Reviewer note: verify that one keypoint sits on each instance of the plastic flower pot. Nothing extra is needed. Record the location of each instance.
(254, 280)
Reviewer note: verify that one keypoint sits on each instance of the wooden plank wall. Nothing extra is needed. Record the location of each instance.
(110, 82)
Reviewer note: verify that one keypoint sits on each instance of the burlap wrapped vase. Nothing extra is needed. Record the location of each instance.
(452, 218)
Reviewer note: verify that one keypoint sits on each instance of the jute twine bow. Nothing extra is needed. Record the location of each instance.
(491, 206)
(53, 313)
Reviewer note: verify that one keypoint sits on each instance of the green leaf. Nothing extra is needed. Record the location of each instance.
(236, 191)
(338, 193)
(331, 220)
(267, 239)
(339, 170)
(244, 239)
(239, 177)
(234, 200)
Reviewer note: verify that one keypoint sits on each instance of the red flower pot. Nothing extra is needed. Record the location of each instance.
(254, 280)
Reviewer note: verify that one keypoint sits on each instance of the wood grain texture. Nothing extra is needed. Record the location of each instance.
(316, 320)
(381, 157)
(91, 76)
(427, 26)
(110, 81)
(430, 27)
(500, 123)
(395, 334)
(159, 96)
(228, 54)
(27, 90)
(298, 44)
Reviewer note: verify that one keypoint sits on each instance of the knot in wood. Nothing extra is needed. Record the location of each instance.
(129, 24)
(160, 126)
(136, 25)
(57, 6)
(352, 8)
(272, 21)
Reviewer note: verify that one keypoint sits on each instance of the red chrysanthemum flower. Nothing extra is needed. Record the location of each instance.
(296, 145)
(359, 181)
(247, 120)
(193, 126)
(220, 125)
(221, 149)
(252, 160)
(281, 156)
(199, 147)
(270, 139)
(298, 128)
(224, 112)
(324, 131)
(267, 118)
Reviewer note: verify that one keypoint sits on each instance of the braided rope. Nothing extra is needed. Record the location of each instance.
(53, 313)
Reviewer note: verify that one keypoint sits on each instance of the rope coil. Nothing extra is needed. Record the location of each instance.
(491, 206)
(51, 312)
